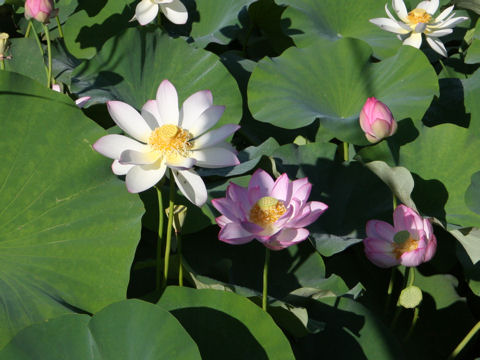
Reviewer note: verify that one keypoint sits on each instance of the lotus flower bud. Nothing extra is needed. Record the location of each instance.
(40, 10)
(376, 120)
(3, 45)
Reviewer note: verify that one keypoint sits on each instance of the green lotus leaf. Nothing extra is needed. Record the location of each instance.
(218, 20)
(336, 19)
(26, 59)
(131, 66)
(130, 330)
(219, 321)
(332, 80)
(68, 228)
(94, 23)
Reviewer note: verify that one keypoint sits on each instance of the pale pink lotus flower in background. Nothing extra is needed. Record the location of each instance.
(80, 102)
(376, 120)
(409, 242)
(273, 212)
(174, 10)
(165, 137)
(420, 21)
(40, 10)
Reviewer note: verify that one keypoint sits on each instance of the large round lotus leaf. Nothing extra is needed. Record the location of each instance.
(337, 19)
(68, 228)
(332, 80)
(131, 66)
(127, 330)
(95, 22)
(225, 325)
(219, 20)
(26, 59)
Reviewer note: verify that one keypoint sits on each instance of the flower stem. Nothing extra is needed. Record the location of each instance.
(2, 65)
(180, 259)
(390, 290)
(169, 229)
(37, 39)
(265, 279)
(414, 322)
(159, 239)
(345, 151)
(411, 276)
(394, 201)
(29, 27)
(465, 341)
(60, 31)
(49, 53)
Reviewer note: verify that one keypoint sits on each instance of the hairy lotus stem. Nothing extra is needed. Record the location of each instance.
(345, 151)
(60, 31)
(29, 27)
(169, 229)
(465, 341)
(159, 278)
(265, 279)
(49, 54)
(180, 258)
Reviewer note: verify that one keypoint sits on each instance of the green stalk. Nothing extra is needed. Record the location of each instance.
(411, 276)
(49, 53)
(2, 65)
(465, 341)
(29, 27)
(60, 31)
(414, 322)
(394, 201)
(180, 259)
(345, 151)
(265, 279)
(159, 239)
(390, 290)
(169, 229)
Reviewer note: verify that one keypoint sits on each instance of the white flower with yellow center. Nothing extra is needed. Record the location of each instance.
(147, 10)
(170, 138)
(420, 21)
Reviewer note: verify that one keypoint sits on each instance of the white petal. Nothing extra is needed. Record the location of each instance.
(81, 102)
(400, 8)
(129, 120)
(214, 137)
(56, 87)
(113, 145)
(146, 11)
(450, 23)
(175, 12)
(167, 101)
(143, 177)
(180, 162)
(138, 157)
(121, 169)
(389, 25)
(151, 115)
(444, 14)
(206, 120)
(191, 185)
(437, 46)
(429, 6)
(215, 157)
(440, 33)
(194, 106)
(420, 27)
(414, 40)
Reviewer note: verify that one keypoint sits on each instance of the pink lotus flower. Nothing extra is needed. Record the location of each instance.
(376, 120)
(40, 10)
(409, 242)
(274, 213)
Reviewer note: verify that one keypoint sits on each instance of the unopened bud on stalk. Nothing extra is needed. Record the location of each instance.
(376, 120)
(40, 10)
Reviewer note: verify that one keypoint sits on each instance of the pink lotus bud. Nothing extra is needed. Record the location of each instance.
(376, 120)
(409, 242)
(40, 10)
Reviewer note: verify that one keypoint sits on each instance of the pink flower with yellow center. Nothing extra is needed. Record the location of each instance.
(273, 212)
(165, 137)
(409, 242)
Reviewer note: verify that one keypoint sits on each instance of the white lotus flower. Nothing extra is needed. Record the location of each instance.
(165, 137)
(420, 20)
(147, 10)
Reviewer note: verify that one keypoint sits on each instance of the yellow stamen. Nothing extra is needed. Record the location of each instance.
(419, 16)
(266, 211)
(170, 139)
(408, 245)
